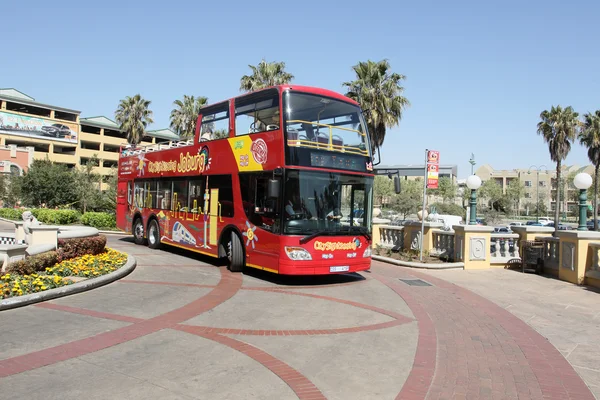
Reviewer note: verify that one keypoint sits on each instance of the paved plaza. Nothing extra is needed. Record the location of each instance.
(180, 327)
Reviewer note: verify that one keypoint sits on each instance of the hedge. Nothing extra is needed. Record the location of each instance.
(57, 217)
(11, 213)
(67, 249)
(99, 220)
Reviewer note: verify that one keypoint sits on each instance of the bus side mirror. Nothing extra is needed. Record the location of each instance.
(397, 187)
(273, 188)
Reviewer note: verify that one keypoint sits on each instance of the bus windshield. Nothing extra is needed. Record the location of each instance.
(326, 202)
(323, 123)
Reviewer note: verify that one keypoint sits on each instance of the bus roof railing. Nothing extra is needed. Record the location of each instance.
(131, 150)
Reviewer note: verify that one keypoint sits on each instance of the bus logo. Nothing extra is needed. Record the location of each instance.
(259, 151)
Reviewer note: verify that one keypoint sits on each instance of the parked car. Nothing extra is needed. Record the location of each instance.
(56, 130)
(502, 229)
(533, 223)
(517, 224)
(544, 220)
(590, 224)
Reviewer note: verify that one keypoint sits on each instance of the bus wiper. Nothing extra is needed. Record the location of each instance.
(320, 233)
(362, 230)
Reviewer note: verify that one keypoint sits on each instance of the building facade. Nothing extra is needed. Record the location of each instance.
(539, 184)
(32, 130)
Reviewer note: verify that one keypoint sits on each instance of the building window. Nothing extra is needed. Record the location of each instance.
(527, 183)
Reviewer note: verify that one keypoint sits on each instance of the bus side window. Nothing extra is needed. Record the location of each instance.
(138, 194)
(180, 195)
(129, 193)
(257, 112)
(223, 183)
(196, 193)
(163, 195)
(215, 122)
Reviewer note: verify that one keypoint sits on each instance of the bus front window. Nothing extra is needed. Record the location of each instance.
(321, 201)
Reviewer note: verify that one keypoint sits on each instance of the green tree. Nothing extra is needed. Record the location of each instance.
(410, 198)
(446, 189)
(492, 192)
(134, 116)
(185, 115)
(50, 183)
(87, 185)
(264, 75)
(383, 187)
(590, 138)
(379, 93)
(514, 192)
(558, 127)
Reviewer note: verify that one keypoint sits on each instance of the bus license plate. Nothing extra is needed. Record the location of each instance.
(340, 268)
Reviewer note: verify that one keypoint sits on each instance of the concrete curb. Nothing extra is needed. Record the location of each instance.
(83, 286)
(456, 265)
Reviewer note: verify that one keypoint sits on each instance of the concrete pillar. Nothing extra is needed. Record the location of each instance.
(575, 254)
(531, 232)
(413, 229)
(472, 245)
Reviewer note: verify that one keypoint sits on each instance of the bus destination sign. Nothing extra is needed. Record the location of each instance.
(338, 161)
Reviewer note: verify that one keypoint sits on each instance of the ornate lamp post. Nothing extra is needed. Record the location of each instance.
(582, 181)
(473, 183)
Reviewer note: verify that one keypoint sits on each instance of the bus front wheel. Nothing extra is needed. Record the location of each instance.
(235, 253)
(138, 231)
(153, 235)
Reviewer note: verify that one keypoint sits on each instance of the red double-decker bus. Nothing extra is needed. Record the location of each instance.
(280, 179)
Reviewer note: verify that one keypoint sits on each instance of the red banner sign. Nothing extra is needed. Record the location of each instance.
(433, 169)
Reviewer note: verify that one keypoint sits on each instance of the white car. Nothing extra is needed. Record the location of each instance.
(545, 220)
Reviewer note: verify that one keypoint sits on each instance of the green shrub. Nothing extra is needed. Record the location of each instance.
(75, 247)
(99, 220)
(33, 264)
(449, 209)
(11, 213)
(56, 217)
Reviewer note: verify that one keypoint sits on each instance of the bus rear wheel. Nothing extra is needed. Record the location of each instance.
(153, 235)
(138, 231)
(235, 253)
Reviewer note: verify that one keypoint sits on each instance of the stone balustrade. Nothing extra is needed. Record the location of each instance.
(504, 247)
(391, 237)
(443, 244)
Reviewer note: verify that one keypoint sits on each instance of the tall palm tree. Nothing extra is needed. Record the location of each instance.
(265, 74)
(134, 116)
(185, 115)
(559, 128)
(590, 138)
(379, 93)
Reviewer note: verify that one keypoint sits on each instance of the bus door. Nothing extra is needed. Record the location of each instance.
(262, 227)
(123, 193)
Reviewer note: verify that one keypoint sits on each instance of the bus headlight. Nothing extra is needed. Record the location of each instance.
(367, 252)
(297, 253)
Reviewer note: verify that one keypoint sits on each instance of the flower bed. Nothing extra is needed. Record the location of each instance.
(87, 266)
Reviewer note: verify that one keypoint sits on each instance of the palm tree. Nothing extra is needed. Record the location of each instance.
(590, 138)
(559, 129)
(134, 116)
(265, 74)
(185, 115)
(379, 93)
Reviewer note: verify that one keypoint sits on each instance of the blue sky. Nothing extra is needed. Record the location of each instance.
(478, 74)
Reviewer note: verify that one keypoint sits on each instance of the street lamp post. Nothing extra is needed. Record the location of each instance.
(473, 183)
(582, 181)
(537, 190)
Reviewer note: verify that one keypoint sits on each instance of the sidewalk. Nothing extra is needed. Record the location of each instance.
(566, 314)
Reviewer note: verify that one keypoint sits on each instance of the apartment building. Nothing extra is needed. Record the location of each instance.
(538, 182)
(41, 130)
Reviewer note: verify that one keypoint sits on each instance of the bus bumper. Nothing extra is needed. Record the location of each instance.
(323, 267)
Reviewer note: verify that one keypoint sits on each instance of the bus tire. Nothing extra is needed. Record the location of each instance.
(235, 253)
(138, 231)
(153, 235)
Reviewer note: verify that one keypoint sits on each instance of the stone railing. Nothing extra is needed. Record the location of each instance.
(443, 244)
(550, 257)
(504, 247)
(391, 237)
